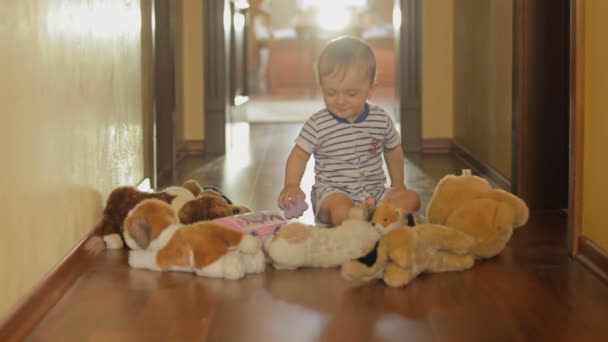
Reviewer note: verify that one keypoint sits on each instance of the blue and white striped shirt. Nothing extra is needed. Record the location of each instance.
(348, 156)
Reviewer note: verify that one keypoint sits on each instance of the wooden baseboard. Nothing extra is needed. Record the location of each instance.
(593, 257)
(481, 168)
(436, 146)
(30, 310)
(191, 148)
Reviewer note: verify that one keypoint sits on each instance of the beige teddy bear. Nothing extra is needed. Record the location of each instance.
(469, 204)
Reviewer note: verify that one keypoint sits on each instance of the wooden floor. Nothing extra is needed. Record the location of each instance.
(532, 292)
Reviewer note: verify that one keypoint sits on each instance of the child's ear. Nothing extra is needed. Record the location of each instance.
(372, 89)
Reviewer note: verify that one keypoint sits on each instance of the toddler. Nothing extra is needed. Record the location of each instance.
(348, 139)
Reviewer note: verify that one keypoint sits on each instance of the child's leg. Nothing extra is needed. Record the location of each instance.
(334, 208)
(407, 200)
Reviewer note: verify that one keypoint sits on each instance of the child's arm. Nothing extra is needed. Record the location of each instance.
(294, 170)
(394, 162)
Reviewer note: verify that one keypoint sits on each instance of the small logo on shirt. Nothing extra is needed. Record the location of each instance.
(374, 146)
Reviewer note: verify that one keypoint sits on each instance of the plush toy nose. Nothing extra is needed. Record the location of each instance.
(410, 220)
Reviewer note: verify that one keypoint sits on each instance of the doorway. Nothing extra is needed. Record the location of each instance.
(541, 102)
(287, 36)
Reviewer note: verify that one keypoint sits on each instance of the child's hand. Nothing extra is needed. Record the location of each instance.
(290, 194)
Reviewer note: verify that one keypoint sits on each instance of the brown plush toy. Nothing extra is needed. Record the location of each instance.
(405, 252)
(123, 199)
(209, 204)
(470, 204)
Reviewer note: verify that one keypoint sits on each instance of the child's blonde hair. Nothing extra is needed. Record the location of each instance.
(343, 52)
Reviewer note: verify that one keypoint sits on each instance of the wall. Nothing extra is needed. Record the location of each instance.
(483, 80)
(71, 126)
(437, 69)
(189, 69)
(595, 158)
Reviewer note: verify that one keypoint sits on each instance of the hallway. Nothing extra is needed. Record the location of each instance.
(532, 292)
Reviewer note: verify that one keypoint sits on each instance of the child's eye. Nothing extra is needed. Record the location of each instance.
(352, 93)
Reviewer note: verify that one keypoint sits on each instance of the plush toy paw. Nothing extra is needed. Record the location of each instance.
(401, 257)
(255, 263)
(396, 276)
(249, 244)
(143, 259)
(230, 266)
(113, 241)
(357, 271)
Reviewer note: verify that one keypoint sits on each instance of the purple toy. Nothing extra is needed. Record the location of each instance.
(295, 209)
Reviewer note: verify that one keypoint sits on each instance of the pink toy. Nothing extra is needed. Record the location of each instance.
(296, 209)
(261, 223)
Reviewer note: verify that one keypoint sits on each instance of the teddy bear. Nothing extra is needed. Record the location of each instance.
(159, 242)
(297, 245)
(209, 203)
(404, 252)
(124, 198)
(469, 204)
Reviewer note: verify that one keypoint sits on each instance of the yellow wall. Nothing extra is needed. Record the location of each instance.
(595, 159)
(437, 69)
(483, 80)
(71, 126)
(189, 62)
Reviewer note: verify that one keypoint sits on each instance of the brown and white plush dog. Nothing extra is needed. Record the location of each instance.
(209, 204)
(160, 243)
(124, 198)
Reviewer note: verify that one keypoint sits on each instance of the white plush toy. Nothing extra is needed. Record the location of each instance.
(160, 243)
(298, 245)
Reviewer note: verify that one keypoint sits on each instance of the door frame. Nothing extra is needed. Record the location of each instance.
(165, 105)
(541, 83)
(148, 96)
(219, 102)
(408, 83)
(577, 115)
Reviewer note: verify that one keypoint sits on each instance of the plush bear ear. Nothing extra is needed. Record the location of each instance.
(140, 232)
(193, 186)
(521, 212)
(239, 209)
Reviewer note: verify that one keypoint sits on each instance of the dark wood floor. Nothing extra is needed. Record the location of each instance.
(532, 292)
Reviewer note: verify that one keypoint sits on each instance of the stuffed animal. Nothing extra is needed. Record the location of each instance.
(124, 198)
(298, 245)
(469, 204)
(160, 243)
(209, 204)
(404, 252)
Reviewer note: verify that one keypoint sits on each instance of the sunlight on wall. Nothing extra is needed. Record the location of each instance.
(333, 15)
(101, 19)
(72, 127)
(595, 158)
(396, 18)
(239, 155)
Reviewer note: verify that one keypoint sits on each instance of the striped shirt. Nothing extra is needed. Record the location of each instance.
(348, 156)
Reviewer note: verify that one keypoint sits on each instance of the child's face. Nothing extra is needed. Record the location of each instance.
(345, 94)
